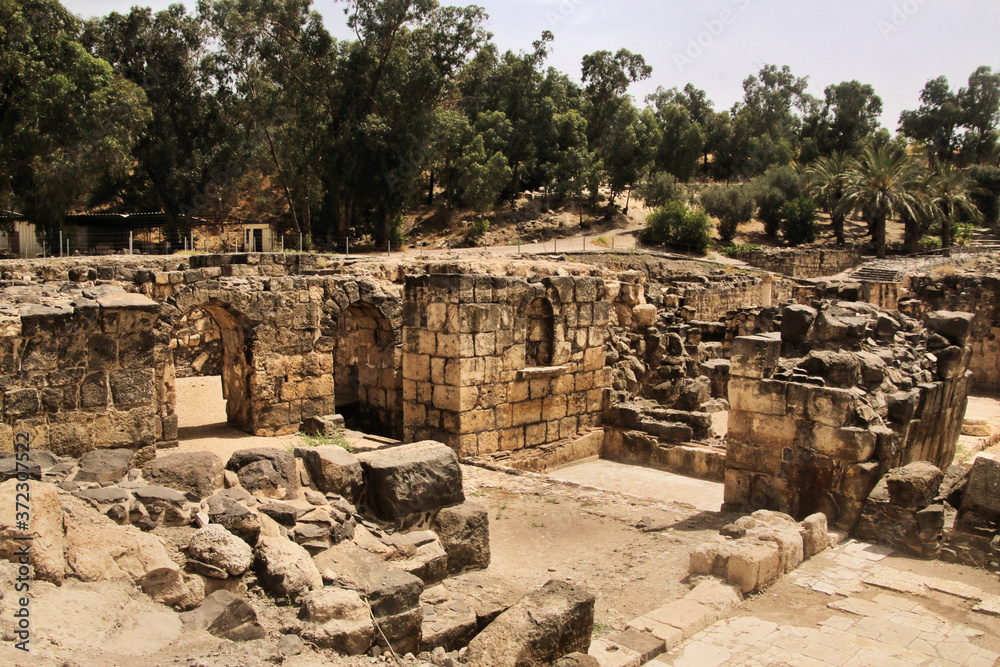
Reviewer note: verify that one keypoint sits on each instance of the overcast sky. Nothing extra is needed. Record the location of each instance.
(894, 45)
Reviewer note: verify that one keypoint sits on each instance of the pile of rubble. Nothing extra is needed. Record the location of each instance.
(360, 548)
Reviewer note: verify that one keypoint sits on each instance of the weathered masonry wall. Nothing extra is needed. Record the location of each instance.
(803, 263)
(467, 377)
(818, 414)
(979, 295)
(79, 374)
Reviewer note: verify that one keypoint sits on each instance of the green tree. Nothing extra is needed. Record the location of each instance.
(184, 142)
(628, 151)
(771, 190)
(661, 188)
(937, 122)
(881, 185)
(66, 118)
(733, 206)
(606, 78)
(677, 224)
(827, 180)
(798, 220)
(980, 103)
(849, 115)
(681, 140)
(950, 192)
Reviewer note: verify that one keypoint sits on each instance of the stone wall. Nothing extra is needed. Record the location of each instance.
(818, 412)
(979, 295)
(803, 262)
(197, 345)
(78, 369)
(466, 376)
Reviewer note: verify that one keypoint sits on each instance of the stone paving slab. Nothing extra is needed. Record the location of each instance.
(885, 631)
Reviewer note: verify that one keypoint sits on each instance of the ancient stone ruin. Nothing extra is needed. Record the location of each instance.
(823, 407)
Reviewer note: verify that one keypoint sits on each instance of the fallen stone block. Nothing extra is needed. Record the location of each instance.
(333, 470)
(266, 471)
(104, 465)
(225, 615)
(216, 546)
(982, 492)
(198, 473)
(45, 529)
(464, 531)
(719, 597)
(610, 654)
(326, 425)
(284, 568)
(914, 485)
(645, 644)
(540, 628)
(409, 479)
(337, 619)
(753, 564)
(577, 659)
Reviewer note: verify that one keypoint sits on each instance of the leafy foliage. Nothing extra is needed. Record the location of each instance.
(732, 205)
(661, 188)
(772, 190)
(798, 220)
(677, 224)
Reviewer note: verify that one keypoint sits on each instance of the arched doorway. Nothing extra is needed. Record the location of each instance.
(208, 346)
(366, 378)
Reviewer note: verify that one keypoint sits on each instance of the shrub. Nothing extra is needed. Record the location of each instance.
(772, 190)
(739, 249)
(732, 206)
(478, 229)
(677, 224)
(987, 198)
(661, 188)
(602, 241)
(798, 220)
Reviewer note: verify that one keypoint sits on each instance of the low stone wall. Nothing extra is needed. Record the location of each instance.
(78, 370)
(803, 262)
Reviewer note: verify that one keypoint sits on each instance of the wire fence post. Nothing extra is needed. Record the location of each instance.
(347, 245)
(60, 243)
(130, 243)
(300, 241)
(388, 248)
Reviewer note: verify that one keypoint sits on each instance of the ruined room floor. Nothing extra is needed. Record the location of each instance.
(644, 482)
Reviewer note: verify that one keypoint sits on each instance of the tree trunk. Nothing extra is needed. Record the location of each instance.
(430, 191)
(911, 234)
(878, 233)
(628, 199)
(838, 228)
(946, 235)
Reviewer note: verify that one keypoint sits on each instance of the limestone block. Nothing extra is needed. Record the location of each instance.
(45, 529)
(284, 568)
(686, 615)
(815, 534)
(754, 356)
(224, 615)
(216, 546)
(337, 619)
(464, 531)
(333, 470)
(644, 315)
(848, 444)
(753, 564)
(760, 396)
(982, 493)
(830, 406)
(540, 628)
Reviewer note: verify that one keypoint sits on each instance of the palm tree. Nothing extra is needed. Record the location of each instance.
(950, 191)
(827, 183)
(883, 184)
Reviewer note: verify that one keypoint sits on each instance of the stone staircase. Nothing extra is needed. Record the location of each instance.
(879, 272)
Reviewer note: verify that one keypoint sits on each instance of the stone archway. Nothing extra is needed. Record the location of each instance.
(366, 371)
(236, 358)
(234, 362)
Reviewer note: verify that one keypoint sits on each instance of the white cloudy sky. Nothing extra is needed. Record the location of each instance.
(895, 45)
